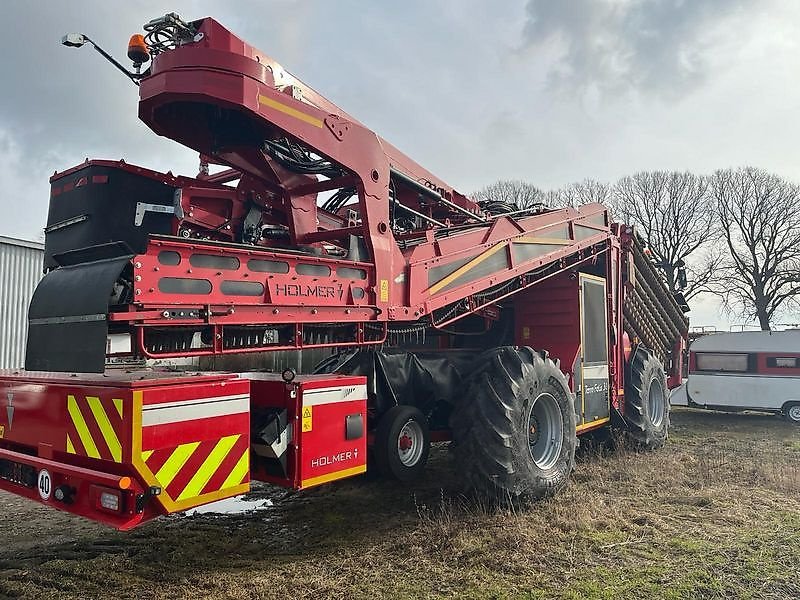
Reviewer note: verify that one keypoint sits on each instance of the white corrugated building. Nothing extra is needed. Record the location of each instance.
(20, 270)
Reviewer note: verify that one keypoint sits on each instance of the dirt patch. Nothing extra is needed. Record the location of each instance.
(716, 514)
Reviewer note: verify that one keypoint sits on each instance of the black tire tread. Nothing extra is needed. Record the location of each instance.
(485, 422)
(643, 368)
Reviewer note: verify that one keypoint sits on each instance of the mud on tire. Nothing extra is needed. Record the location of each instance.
(646, 414)
(514, 401)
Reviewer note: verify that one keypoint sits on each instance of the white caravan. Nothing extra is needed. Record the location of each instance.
(748, 370)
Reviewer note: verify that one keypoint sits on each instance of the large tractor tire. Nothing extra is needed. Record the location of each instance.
(514, 428)
(646, 413)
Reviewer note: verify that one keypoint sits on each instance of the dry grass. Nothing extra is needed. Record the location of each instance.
(714, 515)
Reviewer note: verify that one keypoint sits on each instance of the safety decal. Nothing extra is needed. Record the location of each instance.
(195, 469)
(308, 416)
(384, 290)
(95, 427)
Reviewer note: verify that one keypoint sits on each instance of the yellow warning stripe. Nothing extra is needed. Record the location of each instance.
(238, 472)
(209, 467)
(333, 476)
(83, 430)
(461, 270)
(147, 454)
(70, 445)
(109, 435)
(543, 240)
(288, 110)
(591, 425)
(118, 405)
(164, 499)
(175, 462)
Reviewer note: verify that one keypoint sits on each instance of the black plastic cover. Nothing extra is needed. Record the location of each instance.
(430, 382)
(67, 318)
(95, 213)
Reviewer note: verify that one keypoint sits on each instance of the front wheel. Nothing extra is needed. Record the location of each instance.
(792, 412)
(402, 443)
(514, 429)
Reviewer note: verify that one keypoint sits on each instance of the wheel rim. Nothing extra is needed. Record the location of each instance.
(410, 443)
(545, 431)
(794, 412)
(655, 402)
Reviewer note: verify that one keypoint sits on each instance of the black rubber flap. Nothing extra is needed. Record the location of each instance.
(430, 382)
(67, 319)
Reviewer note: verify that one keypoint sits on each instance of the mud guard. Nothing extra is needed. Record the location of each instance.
(428, 381)
(67, 319)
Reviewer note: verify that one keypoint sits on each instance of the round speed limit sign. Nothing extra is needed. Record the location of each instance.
(45, 484)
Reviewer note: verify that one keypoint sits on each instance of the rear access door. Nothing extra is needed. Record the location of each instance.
(592, 399)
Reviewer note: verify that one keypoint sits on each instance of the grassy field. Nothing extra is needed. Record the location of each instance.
(716, 514)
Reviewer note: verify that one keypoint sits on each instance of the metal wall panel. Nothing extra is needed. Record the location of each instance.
(20, 270)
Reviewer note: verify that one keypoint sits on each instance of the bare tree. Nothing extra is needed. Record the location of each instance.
(580, 192)
(760, 218)
(588, 190)
(674, 212)
(511, 192)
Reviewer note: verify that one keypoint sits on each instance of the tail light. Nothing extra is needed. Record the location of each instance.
(107, 499)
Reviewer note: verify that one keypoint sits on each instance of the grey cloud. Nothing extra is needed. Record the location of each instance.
(613, 46)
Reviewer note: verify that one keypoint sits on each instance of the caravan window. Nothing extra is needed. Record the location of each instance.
(716, 361)
(783, 361)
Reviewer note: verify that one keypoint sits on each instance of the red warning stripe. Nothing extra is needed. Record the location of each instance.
(190, 468)
(231, 460)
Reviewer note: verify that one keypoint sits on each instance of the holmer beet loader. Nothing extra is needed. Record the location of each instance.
(316, 233)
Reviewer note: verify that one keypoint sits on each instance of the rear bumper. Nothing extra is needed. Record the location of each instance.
(76, 490)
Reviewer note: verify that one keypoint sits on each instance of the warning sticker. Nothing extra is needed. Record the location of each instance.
(307, 421)
(384, 290)
(2, 431)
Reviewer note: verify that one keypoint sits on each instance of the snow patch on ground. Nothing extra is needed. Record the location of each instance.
(232, 506)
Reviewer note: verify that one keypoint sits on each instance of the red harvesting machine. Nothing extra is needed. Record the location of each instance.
(316, 233)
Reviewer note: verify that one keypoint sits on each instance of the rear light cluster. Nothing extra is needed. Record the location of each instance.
(110, 500)
(107, 499)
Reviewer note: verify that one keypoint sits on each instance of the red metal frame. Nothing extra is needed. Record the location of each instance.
(229, 101)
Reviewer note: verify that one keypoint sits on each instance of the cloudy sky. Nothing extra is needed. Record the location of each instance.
(551, 91)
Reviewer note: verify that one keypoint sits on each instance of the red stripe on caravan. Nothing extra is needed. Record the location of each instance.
(221, 474)
(185, 432)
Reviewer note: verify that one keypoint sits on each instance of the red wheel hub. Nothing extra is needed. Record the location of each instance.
(405, 443)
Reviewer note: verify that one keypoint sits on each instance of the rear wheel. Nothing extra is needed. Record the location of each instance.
(402, 443)
(792, 412)
(646, 414)
(514, 429)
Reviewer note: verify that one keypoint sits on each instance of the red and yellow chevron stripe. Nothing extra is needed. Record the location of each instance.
(197, 469)
(196, 449)
(95, 427)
